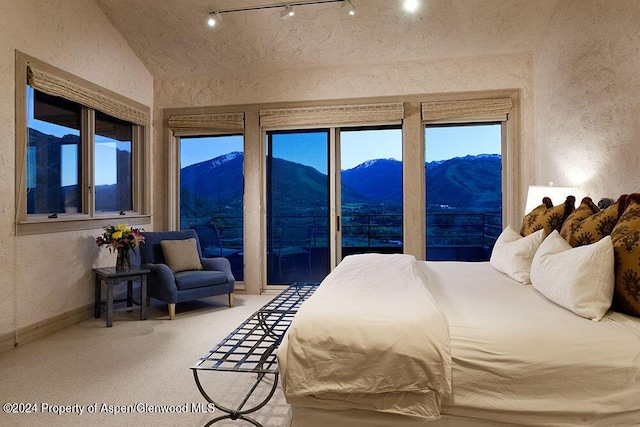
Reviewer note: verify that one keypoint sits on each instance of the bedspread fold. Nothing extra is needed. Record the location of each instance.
(372, 337)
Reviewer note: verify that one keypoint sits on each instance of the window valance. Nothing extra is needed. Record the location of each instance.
(57, 86)
(218, 123)
(470, 110)
(332, 115)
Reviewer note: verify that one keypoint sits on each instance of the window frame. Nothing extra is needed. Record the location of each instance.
(87, 219)
(480, 120)
(412, 160)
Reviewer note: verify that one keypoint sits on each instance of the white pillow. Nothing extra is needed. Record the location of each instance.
(513, 254)
(580, 279)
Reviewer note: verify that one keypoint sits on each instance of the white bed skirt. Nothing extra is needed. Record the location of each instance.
(311, 417)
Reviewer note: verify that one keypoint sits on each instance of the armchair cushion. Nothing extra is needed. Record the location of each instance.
(197, 279)
(181, 255)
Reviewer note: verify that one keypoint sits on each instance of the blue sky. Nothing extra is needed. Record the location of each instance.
(104, 150)
(308, 148)
(356, 146)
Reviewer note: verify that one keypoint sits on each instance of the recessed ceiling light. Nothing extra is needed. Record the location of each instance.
(411, 5)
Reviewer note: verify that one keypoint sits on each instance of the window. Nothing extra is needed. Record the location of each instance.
(112, 160)
(465, 176)
(211, 195)
(206, 180)
(80, 153)
(54, 167)
(371, 190)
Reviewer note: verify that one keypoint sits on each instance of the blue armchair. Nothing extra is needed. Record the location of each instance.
(163, 284)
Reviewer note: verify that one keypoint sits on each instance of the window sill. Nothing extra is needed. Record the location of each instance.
(73, 222)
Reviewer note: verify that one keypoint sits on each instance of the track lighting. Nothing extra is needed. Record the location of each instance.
(349, 7)
(214, 18)
(288, 12)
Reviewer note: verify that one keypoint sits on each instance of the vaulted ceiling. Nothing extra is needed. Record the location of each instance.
(172, 38)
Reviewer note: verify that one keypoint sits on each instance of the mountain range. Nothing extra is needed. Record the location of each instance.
(470, 182)
(462, 182)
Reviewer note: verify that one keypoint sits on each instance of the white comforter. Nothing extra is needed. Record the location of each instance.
(371, 337)
(520, 358)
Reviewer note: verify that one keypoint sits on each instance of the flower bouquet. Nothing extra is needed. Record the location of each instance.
(121, 238)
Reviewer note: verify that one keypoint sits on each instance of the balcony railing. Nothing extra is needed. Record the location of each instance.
(449, 230)
(449, 236)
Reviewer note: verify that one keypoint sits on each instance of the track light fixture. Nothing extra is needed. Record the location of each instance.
(349, 7)
(287, 9)
(214, 18)
(288, 12)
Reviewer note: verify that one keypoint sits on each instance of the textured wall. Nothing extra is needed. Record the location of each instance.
(46, 275)
(587, 92)
(478, 73)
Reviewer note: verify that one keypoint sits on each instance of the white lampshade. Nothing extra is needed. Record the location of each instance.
(558, 195)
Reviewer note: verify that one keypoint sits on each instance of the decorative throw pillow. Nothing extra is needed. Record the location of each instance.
(181, 255)
(598, 225)
(575, 218)
(580, 279)
(626, 295)
(547, 217)
(630, 218)
(512, 254)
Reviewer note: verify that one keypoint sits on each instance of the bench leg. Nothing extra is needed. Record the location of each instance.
(231, 299)
(172, 311)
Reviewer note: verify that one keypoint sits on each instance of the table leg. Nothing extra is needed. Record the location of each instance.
(129, 294)
(143, 297)
(110, 284)
(98, 296)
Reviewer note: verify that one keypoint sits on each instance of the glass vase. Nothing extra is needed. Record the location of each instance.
(122, 260)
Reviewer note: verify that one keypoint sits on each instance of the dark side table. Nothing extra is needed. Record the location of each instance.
(111, 277)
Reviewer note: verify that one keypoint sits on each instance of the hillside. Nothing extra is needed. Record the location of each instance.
(468, 182)
(462, 182)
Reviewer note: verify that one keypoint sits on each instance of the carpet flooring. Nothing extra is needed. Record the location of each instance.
(132, 368)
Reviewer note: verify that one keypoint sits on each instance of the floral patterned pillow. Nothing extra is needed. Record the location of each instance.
(597, 225)
(630, 218)
(547, 217)
(626, 246)
(575, 218)
(626, 293)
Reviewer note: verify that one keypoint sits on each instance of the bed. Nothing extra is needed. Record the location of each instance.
(492, 351)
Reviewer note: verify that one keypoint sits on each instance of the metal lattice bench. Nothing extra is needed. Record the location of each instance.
(251, 348)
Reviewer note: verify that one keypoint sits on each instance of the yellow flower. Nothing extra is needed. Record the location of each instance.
(121, 227)
(116, 235)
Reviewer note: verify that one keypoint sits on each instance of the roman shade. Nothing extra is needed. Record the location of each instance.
(331, 115)
(64, 88)
(215, 123)
(465, 111)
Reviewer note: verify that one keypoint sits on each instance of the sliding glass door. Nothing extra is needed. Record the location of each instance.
(297, 206)
(331, 193)
(371, 190)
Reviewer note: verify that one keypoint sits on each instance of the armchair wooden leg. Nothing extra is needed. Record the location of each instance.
(172, 311)
(231, 299)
